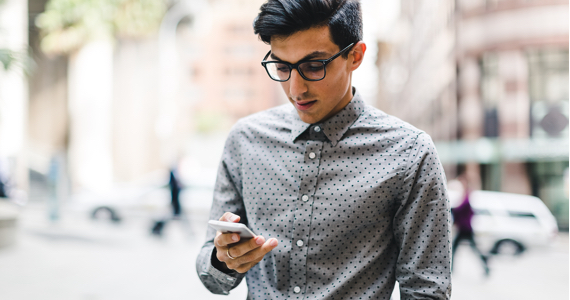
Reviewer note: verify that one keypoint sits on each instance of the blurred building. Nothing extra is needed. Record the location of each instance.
(13, 93)
(197, 74)
(225, 80)
(47, 125)
(488, 79)
(416, 61)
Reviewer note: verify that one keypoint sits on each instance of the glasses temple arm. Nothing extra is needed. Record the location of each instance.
(338, 54)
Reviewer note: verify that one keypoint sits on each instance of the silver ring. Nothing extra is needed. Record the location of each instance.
(229, 255)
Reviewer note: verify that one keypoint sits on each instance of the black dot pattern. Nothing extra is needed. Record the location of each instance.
(356, 203)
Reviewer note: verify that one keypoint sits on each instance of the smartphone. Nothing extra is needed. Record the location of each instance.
(230, 227)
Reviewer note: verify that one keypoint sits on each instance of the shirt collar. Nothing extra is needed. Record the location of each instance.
(336, 126)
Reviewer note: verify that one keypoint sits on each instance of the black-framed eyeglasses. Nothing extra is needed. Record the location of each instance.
(311, 70)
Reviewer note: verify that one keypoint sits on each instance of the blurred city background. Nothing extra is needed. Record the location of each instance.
(103, 101)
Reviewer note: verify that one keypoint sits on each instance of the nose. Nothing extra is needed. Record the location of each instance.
(297, 85)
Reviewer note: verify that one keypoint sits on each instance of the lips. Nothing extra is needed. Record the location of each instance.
(304, 105)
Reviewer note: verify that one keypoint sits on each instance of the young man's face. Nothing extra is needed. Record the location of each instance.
(316, 101)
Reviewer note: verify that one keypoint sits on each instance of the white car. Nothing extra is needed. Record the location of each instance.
(509, 223)
(121, 202)
(136, 201)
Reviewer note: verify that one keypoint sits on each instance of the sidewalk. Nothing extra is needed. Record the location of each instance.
(78, 259)
(535, 274)
(8, 217)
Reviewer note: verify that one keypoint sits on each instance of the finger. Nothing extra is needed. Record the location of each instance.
(253, 257)
(238, 251)
(225, 239)
(229, 217)
(268, 246)
(222, 247)
(257, 254)
(246, 246)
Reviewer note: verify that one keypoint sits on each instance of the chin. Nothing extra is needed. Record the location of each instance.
(308, 119)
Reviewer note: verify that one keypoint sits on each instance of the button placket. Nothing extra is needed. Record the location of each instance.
(303, 216)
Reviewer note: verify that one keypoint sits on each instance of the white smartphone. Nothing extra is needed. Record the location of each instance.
(230, 227)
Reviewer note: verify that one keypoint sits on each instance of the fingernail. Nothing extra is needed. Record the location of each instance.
(235, 237)
(234, 218)
(273, 243)
(259, 241)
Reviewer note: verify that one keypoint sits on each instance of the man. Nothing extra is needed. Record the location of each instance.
(344, 199)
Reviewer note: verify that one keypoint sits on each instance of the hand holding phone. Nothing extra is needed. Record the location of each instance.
(237, 247)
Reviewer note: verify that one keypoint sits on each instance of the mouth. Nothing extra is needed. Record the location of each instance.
(304, 105)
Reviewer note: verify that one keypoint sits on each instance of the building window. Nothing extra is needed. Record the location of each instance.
(548, 90)
(491, 93)
(240, 51)
(239, 72)
(238, 94)
(240, 29)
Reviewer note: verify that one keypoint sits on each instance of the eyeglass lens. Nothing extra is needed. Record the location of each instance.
(309, 70)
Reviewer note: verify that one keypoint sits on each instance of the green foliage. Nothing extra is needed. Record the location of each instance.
(66, 25)
(11, 60)
(7, 57)
(136, 18)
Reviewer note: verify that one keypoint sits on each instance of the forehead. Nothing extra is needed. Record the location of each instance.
(302, 43)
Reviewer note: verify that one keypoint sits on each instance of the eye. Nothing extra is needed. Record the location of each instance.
(281, 67)
(312, 67)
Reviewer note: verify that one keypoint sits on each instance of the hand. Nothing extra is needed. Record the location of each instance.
(246, 253)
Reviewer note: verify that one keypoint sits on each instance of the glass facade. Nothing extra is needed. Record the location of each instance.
(548, 90)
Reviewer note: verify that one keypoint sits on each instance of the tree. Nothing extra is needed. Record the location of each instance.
(67, 25)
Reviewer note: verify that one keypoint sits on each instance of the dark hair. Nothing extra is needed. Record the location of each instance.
(286, 17)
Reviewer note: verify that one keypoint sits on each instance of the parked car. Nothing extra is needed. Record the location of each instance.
(506, 223)
(119, 203)
(149, 200)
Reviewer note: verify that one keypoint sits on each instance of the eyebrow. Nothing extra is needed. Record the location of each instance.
(306, 57)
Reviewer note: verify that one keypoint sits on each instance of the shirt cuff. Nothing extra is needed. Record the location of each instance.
(229, 277)
(221, 277)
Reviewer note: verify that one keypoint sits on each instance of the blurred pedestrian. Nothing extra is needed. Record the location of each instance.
(3, 178)
(462, 217)
(175, 187)
(3, 193)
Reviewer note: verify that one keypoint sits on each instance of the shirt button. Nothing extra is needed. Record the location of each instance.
(297, 290)
(317, 129)
(305, 198)
(312, 155)
(300, 243)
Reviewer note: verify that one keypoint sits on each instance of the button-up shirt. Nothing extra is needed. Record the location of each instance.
(356, 202)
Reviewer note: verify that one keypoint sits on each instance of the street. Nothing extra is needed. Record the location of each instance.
(78, 258)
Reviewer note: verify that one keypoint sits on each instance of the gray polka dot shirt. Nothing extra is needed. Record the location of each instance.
(356, 202)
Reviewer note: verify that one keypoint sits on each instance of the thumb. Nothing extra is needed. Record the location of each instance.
(229, 217)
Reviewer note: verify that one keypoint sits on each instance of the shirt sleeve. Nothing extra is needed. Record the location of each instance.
(422, 226)
(227, 197)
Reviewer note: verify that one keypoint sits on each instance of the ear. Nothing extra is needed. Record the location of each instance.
(357, 55)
